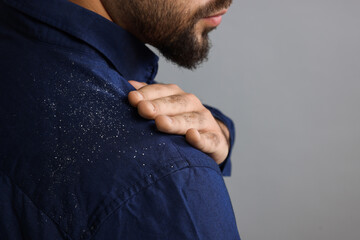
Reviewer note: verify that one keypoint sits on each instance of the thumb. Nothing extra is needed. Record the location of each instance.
(137, 85)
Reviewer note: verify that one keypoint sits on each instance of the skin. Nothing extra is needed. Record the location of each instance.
(178, 112)
(174, 111)
(178, 28)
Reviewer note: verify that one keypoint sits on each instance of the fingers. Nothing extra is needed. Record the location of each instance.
(150, 92)
(208, 142)
(177, 112)
(137, 84)
(159, 90)
(199, 132)
(135, 96)
(170, 105)
(181, 123)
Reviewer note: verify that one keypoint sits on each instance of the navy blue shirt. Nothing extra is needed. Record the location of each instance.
(76, 160)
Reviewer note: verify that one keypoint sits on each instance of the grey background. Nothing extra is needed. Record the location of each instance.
(288, 73)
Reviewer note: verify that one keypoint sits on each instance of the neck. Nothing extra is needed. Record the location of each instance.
(94, 6)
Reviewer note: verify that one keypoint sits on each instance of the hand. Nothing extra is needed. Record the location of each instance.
(178, 112)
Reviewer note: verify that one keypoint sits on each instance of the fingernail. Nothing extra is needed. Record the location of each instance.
(169, 119)
(152, 106)
(139, 95)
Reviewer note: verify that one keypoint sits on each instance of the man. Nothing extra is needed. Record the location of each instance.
(88, 154)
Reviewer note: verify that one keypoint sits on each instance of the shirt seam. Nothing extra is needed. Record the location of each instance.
(140, 191)
(218, 171)
(149, 179)
(37, 208)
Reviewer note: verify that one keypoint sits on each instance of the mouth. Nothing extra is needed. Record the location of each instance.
(215, 20)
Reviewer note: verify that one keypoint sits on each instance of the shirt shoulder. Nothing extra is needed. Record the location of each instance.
(72, 143)
(190, 203)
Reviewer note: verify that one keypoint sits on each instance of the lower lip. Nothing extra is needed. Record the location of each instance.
(213, 21)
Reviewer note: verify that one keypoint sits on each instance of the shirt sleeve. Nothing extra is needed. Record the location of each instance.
(225, 166)
(191, 203)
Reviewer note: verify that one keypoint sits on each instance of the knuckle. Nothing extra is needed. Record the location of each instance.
(150, 89)
(214, 139)
(193, 99)
(173, 86)
(206, 112)
(189, 117)
(202, 120)
(158, 87)
(177, 99)
(173, 127)
(191, 96)
(172, 99)
(142, 93)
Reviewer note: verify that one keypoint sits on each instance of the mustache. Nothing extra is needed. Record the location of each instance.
(211, 8)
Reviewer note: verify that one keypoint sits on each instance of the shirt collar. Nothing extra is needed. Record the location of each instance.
(130, 56)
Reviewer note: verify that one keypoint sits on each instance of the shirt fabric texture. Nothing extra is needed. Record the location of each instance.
(76, 160)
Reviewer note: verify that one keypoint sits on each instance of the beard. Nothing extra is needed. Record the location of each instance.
(168, 25)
